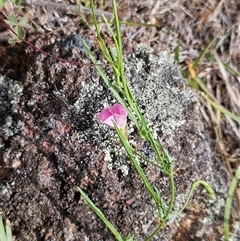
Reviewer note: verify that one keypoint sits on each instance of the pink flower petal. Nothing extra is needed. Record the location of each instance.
(114, 113)
(121, 120)
(118, 109)
(109, 121)
(103, 115)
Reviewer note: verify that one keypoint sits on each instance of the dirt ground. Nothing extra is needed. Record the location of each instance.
(50, 141)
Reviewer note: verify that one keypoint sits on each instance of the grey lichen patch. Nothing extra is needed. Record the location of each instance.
(159, 89)
(115, 159)
(85, 109)
(10, 94)
(91, 131)
(11, 91)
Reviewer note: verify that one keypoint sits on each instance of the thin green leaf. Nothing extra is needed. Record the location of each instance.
(129, 238)
(8, 231)
(2, 231)
(176, 53)
(193, 84)
(228, 205)
(212, 59)
(138, 168)
(103, 47)
(206, 186)
(164, 207)
(110, 30)
(117, 25)
(100, 215)
(113, 55)
(231, 70)
(79, 4)
(223, 110)
(17, 2)
(223, 39)
(169, 209)
(202, 86)
(198, 59)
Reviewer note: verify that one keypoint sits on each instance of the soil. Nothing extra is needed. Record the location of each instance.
(51, 142)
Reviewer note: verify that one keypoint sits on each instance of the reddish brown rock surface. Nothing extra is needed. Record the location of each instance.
(51, 143)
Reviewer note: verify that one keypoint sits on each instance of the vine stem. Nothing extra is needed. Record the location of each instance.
(169, 207)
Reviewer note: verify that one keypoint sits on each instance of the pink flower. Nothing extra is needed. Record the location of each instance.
(114, 113)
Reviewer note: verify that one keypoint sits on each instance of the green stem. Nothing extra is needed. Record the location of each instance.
(139, 170)
(145, 159)
(100, 215)
(169, 207)
(228, 205)
(193, 187)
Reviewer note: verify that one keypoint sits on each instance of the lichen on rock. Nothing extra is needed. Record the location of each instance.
(62, 145)
(160, 91)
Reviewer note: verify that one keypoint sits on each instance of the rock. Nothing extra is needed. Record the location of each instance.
(52, 142)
